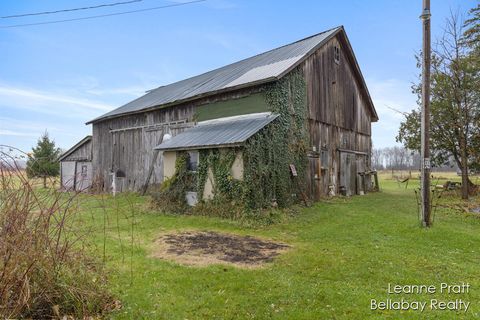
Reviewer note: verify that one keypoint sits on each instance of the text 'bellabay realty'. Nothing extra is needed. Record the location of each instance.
(432, 304)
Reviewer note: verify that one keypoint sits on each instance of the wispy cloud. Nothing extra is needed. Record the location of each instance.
(27, 112)
(35, 97)
(387, 95)
(16, 133)
(22, 131)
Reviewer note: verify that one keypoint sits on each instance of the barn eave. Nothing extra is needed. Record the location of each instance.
(70, 151)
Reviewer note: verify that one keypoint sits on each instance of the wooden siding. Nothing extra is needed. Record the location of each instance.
(75, 175)
(82, 153)
(339, 123)
(334, 95)
(126, 143)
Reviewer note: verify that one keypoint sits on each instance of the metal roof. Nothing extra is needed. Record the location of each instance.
(264, 67)
(222, 132)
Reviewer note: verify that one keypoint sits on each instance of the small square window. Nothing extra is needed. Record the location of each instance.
(192, 164)
(84, 170)
(336, 54)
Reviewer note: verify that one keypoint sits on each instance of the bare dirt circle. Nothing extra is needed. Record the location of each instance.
(207, 247)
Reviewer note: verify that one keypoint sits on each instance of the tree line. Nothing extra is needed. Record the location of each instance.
(401, 158)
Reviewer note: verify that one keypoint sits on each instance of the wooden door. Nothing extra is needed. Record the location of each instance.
(153, 164)
(314, 181)
(361, 167)
(123, 156)
(348, 173)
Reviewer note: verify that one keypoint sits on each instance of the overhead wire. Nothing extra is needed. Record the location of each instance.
(69, 10)
(101, 15)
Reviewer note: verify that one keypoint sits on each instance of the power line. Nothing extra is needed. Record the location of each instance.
(102, 15)
(69, 10)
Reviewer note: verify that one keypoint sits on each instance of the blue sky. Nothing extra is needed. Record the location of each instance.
(56, 77)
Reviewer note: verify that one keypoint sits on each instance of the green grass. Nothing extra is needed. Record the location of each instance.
(344, 253)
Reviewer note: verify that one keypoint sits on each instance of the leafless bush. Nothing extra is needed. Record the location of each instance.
(44, 268)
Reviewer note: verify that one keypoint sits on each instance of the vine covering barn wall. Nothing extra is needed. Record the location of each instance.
(268, 154)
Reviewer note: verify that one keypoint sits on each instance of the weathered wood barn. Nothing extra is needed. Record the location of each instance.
(313, 86)
(76, 166)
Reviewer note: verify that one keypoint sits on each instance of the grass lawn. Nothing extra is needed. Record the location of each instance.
(344, 253)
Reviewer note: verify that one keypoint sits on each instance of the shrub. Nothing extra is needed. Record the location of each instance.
(45, 271)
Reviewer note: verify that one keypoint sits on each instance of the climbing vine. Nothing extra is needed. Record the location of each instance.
(220, 162)
(268, 154)
(171, 195)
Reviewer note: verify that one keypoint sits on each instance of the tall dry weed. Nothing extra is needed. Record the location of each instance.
(45, 268)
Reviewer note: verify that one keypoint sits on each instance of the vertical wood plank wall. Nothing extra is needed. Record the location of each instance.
(131, 151)
(339, 118)
(84, 152)
(71, 168)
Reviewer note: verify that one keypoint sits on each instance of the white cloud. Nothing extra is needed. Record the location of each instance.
(26, 113)
(40, 98)
(16, 133)
(387, 95)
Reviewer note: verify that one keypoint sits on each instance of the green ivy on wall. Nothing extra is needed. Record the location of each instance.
(220, 162)
(171, 195)
(268, 154)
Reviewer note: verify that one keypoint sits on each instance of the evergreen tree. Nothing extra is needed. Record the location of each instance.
(44, 160)
(471, 35)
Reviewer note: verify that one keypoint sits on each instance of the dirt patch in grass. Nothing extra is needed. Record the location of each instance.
(206, 248)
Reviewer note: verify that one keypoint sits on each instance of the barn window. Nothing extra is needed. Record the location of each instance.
(324, 158)
(345, 141)
(192, 164)
(336, 54)
(84, 170)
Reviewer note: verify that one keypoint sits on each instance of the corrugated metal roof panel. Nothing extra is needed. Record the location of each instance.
(216, 133)
(262, 67)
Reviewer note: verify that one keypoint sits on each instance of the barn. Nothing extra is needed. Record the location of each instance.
(293, 120)
(76, 166)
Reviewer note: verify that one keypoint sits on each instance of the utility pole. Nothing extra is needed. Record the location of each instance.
(425, 126)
